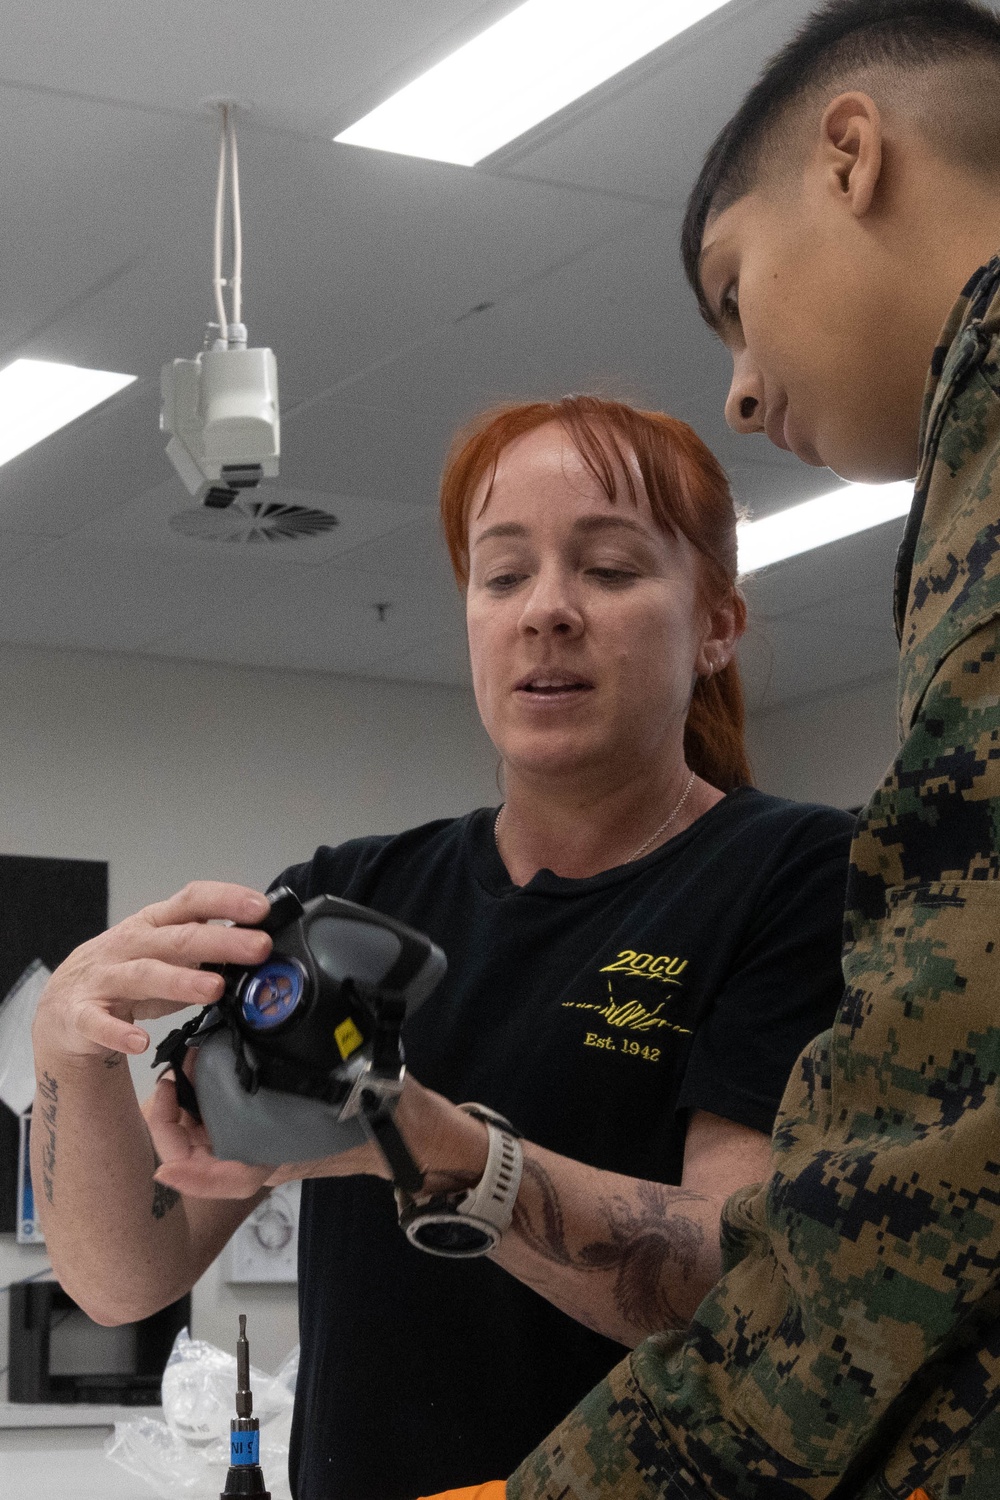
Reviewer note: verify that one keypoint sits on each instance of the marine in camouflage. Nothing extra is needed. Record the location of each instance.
(852, 1347)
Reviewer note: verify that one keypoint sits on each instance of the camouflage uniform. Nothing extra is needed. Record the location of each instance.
(853, 1346)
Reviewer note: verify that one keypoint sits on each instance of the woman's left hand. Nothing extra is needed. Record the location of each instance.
(186, 1162)
(447, 1144)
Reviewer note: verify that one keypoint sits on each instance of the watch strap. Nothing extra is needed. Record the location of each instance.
(485, 1210)
(494, 1195)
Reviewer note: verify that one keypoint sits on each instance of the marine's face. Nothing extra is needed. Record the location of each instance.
(814, 324)
(585, 630)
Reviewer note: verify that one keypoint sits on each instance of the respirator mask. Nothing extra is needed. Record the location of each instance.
(302, 1057)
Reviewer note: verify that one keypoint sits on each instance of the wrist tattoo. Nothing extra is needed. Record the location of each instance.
(164, 1198)
(650, 1248)
(48, 1104)
(113, 1059)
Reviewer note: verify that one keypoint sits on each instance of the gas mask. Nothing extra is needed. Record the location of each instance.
(302, 1058)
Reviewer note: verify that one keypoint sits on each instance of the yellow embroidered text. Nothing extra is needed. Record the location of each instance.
(647, 966)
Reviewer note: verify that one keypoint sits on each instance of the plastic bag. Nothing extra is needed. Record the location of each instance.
(187, 1455)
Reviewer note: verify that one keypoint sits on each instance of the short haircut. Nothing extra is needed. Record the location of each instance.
(842, 40)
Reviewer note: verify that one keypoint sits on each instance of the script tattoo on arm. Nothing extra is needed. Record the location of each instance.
(164, 1198)
(48, 1094)
(648, 1247)
(113, 1059)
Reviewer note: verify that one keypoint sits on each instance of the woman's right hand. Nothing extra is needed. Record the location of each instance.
(147, 966)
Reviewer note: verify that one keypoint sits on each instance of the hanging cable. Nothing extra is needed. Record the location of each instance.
(232, 333)
(220, 215)
(237, 279)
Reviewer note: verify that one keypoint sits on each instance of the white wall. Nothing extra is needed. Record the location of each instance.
(171, 770)
(832, 748)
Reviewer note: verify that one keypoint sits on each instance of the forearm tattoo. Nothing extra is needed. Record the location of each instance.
(113, 1059)
(650, 1248)
(48, 1105)
(164, 1198)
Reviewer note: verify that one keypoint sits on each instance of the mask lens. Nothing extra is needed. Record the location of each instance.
(273, 993)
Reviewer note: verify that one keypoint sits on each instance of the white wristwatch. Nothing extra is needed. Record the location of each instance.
(464, 1224)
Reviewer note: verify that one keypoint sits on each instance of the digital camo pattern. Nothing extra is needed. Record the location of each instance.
(853, 1347)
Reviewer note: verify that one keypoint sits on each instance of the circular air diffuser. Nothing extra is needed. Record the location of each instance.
(253, 521)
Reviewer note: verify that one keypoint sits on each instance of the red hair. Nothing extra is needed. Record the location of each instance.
(688, 493)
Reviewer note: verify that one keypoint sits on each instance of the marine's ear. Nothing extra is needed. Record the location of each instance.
(850, 150)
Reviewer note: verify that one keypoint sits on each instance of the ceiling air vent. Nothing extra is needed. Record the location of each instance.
(253, 521)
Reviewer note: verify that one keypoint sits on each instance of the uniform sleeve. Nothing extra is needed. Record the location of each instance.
(855, 1341)
(787, 985)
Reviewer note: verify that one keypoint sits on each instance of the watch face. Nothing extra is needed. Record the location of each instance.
(451, 1234)
(273, 993)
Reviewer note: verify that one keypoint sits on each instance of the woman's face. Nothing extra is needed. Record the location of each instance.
(585, 630)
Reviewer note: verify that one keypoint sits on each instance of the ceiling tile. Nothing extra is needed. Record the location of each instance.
(86, 469)
(301, 65)
(862, 565)
(65, 595)
(319, 619)
(814, 650)
(646, 131)
(443, 658)
(14, 546)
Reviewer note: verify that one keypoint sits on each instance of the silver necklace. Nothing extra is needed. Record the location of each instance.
(635, 852)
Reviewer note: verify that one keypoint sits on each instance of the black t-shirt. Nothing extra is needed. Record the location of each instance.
(595, 1014)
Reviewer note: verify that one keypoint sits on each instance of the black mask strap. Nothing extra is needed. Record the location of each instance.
(406, 1175)
(173, 1050)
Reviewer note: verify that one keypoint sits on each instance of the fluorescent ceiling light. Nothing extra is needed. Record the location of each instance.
(534, 61)
(855, 507)
(38, 397)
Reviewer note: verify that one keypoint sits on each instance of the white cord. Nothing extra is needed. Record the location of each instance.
(232, 334)
(220, 199)
(237, 281)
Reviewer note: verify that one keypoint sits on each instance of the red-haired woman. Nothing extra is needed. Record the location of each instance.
(639, 945)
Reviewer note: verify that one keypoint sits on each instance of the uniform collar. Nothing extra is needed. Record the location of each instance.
(974, 317)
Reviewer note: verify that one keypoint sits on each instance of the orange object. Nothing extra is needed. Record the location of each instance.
(496, 1489)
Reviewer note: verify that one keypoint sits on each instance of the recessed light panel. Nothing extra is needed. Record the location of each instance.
(814, 523)
(533, 62)
(37, 397)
